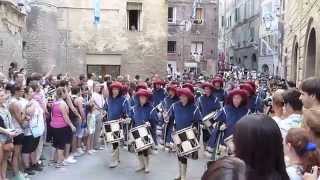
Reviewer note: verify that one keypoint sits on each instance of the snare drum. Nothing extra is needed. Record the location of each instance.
(141, 137)
(185, 141)
(113, 131)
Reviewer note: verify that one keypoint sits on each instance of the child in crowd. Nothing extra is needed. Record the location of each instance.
(91, 124)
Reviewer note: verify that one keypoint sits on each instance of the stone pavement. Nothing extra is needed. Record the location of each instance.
(164, 166)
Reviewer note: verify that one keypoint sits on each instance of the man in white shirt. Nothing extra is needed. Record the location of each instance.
(292, 111)
(99, 101)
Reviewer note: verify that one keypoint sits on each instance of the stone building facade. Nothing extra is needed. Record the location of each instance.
(12, 23)
(130, 38)
(240, 23)
(193, 35)
(301, 39)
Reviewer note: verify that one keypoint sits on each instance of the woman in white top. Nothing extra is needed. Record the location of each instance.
(7, 133)
(33, 130)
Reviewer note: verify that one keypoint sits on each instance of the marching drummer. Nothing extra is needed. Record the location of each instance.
(171, 98)
(158, 92)
(235, 108)
(219, 92)
(207, 103)
(184, 114)
(141, 114)
(134, 99)
(254, 102)
(117, 108)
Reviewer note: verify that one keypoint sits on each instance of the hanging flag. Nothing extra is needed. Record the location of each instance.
(97, 11)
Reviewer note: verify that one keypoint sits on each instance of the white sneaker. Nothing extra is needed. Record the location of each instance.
(93, 151)
(80, 151)
(70, 160)
(90, 152)
(155, 151)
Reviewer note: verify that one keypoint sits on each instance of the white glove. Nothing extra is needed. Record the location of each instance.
(223, 127)
(128, 120)
(148, 124)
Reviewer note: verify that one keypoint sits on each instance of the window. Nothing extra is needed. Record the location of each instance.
(133, 16)
(252, 34)
(236, 18)
(222, 21)
(199, 16)
(172, 46)
(171, 15)
(197, 48)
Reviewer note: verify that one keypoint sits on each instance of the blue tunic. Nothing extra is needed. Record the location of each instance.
(168, 101)
(255, 104)
(166, 105)
(117, 108)
(208, 104)
(158, 96)
(229, 115)
(184, 116)
(220, 94)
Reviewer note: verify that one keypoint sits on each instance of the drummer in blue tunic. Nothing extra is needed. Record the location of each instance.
(117, 108)
(219, 92)
(255, 103)
(158, 92)
(134, 99)
(184, 114)
(171, 98)
(144, 114)
(207, 104)
(235, 108)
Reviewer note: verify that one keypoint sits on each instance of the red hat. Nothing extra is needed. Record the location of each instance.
(219, 80)
(206, 84)
(143, 92)
(189, 86)
(116, 85)
(253, 85)
(248, 88)
(240, 92)
(187, 92)
(172, 87)
(142, 85)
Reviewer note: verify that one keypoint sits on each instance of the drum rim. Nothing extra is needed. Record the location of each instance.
(197, 148)
(112, 121)
(137, 127)
(207, 116)
(183, 130)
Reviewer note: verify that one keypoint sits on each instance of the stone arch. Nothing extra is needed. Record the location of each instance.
(310, 52)
(310, 62)
(294, 59)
